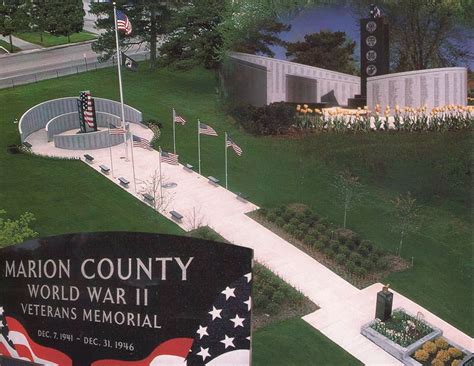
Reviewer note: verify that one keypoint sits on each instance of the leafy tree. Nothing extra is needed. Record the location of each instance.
(39, 11)
(406, 217)
(426, 34)
(66, 18)
(13, 18)
(326, 49)
(350, 190)
(148, 17)
(16, 231)
(260, 40)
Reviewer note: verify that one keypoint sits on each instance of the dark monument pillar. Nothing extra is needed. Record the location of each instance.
(374, 52)
(383, 310)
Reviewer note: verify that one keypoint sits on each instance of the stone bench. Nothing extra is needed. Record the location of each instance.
(104, 169)
(124, 182)
(148, 198)
(176, 216)
(188, 167)
(242, 197)
(214, 181)
(89, 158)
(27, 145)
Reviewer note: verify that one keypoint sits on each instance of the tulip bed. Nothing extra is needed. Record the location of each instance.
(440, 119)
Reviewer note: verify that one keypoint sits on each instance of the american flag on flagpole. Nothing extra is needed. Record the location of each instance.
(141, 142)
(179, 119)
(123, 23)
(169, 158)
(87, 106)
(230, 143)
(113, 130)
(206, 130)
(15, 342)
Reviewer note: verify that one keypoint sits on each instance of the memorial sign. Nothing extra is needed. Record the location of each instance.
(118, 299)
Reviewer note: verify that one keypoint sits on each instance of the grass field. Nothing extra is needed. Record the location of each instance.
(6, 45)
(270, 344)
(49, 40)
(273, 171)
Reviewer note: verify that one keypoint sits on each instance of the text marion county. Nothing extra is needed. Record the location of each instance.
(105, 268)
(96, 269)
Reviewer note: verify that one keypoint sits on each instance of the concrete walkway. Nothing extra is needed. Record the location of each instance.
(344, 308)
(18, 42)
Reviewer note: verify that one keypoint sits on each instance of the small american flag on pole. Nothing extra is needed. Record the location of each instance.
(179, 119)
(206, 130)
(141, 142)
(123, 23)
(87, 106)
(169, 158)
(233, 145)
(116, 130)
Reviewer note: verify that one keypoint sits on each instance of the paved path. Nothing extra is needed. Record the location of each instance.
(18, 42)
(344, 308)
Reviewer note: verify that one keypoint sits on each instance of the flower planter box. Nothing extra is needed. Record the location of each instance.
(402, 354)
(413, 362)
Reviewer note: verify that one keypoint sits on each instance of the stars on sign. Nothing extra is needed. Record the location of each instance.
(226, 327)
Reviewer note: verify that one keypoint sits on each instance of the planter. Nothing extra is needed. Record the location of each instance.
(400, 353)
(468, 356)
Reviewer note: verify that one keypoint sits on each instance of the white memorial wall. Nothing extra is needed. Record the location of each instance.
(431, 87)
(345, 86)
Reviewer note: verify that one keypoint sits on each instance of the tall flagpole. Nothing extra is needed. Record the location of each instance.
(119, 66)
(225, 147)
(174, 131)
(133, 163)
(161, 185)
(110, 152)
(199, 146)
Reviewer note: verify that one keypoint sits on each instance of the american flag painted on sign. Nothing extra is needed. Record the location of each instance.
(141, 142)
(15, 342)
(87, 106)
(123, 23)
(206, 130)
(223, 337)
(169, 158)
(230, 143)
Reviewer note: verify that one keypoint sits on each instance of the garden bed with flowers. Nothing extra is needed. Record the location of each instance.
(439, 352)
(401, 335)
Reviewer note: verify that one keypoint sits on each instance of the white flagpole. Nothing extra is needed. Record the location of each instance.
(110, 151)
(119, 66)
(174, 131)
(161, 185)
(199, 146)
(225, 147)
(133, 164)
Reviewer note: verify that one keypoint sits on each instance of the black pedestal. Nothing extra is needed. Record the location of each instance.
(357, 101)
(383, 310)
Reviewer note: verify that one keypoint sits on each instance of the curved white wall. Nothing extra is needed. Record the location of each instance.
(432, 87)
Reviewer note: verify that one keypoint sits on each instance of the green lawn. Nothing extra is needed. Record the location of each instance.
(6, 45)
(294, 343)
(273, 171)
(49, 40)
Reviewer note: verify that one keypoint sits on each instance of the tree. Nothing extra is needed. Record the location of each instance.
(194, 37)
(153, 187)
(259, 40)
(326, 49)
(66, 18)
(16, 231)
(406, 217)
(426, 34)
(350, 190)
(39, 11)
(13, 18)
(149, 19)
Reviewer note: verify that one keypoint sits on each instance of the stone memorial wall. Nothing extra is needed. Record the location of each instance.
(432, 87)
(326, 82)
